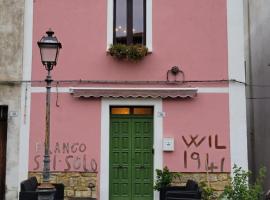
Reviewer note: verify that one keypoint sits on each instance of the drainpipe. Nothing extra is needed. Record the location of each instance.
(252, 161)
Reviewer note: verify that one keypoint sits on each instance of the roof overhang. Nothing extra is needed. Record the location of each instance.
(134, 92)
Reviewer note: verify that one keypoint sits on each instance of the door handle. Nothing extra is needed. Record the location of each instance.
(142, 167)
(120, 166)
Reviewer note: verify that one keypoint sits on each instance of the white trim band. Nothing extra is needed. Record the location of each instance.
(69, 89)
(237, 97)
(53, 89)
(25, 92)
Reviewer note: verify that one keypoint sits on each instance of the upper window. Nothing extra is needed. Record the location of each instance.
(129, 26)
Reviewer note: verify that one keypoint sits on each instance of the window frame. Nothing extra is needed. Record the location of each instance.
(148, 24)
(129, 22)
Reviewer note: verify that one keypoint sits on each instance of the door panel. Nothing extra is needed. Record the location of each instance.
(120, 159)
(142, 165)
(131, 158)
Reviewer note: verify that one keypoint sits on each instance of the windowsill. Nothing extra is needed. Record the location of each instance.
(150, 51)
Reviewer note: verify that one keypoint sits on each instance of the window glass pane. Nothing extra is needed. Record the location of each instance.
(138, 21)
(143, 111)
(121, 21)
(120, 111)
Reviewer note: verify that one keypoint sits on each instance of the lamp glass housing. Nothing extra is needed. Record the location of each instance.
(49, 49)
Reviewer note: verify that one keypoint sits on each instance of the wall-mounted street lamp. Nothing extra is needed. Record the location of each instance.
(49, 49)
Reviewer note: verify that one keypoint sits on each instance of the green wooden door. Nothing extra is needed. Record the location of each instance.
(131, 157)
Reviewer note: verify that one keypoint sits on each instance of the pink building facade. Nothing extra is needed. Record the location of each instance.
(196, 121)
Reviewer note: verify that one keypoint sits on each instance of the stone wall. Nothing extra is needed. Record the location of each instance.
(10, 95)
(76, 183)
(11, 64)
(257, 67)
(11, 43)
(216, 180)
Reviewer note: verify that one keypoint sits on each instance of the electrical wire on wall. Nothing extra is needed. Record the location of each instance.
(57, 95)
(175, 82)
(25, 104)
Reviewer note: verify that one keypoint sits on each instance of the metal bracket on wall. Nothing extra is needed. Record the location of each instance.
(175, 71)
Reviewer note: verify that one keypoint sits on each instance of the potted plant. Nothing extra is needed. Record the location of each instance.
(241, 189)
(132, 52)
(208, 193)
(164, 179)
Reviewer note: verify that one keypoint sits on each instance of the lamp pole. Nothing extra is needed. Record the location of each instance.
(49, 49)
(46, 167)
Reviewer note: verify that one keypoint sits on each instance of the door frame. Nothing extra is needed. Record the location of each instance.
(106, 103)
(4, 108)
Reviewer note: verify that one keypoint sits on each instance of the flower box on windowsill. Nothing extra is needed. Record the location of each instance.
(133, 53)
